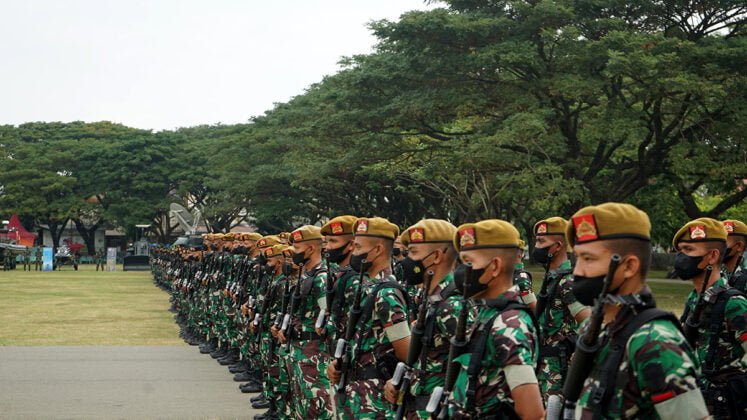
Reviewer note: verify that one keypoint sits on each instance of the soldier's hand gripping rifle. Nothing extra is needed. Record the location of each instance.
(321, 320)
(543, 296)
(403, 374)
(692, 323)
(438, 405)
(259, 316)
(287, 270)
(343, 353)
(295, 300)
(587, 347)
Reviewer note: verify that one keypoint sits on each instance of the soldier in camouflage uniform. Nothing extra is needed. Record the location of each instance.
(658, 371)
(250, 349)
(497, 375)
(275, 377)
(382, 334)
(735, 266)
(339, 242)
(430, 247)
(307, 364)
(722, 328)
(558, 312)
(523, 280)
(246, 296)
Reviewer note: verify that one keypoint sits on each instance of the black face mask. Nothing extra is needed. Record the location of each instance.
(240, 250)
(287, 269)
(337, 255)
(213, 247)
(728, 257)
(586, 289)
(466, 276)
(686, 267)
(356, 262)
(413, 271)
(261, 259)
(299, 258)
(542, 255)
(396, 252)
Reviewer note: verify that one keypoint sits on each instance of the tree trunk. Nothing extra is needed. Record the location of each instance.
(88, 235)
(55, 229)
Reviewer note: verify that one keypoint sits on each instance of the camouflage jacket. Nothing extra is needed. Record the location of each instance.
(388, 323)
(657, 377)
(313, 298)
(509, 359)
(558, 320)
(273, 301)
(730, 354)
(346, 285)
(444, 313)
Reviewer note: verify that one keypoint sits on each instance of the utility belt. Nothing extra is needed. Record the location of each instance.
(419, 402)
(364, 373)
(382, 368)
(305, 336)
(725, 396)
(564, 348)
(502, 412)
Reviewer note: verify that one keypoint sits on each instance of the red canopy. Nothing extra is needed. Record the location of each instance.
(21, 235)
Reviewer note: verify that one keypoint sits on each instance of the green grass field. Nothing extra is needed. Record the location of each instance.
(669, 294)
(84, 307)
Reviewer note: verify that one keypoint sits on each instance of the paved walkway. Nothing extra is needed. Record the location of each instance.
(117, 382)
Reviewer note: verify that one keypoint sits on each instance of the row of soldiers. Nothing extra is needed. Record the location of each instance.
(356, 320)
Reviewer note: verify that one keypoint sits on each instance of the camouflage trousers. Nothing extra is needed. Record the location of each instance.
(228, 321)
(365, 400)
(276, 382)
(550, 376)
(215, 315)
(309, 380)
(202, 313)
(285, 362)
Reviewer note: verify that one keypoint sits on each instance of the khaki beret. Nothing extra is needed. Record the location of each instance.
(306, 233)
(428, 231)
(608, 221)
(735, 227)
(340, 225)
(229, 237)
(218, 236)
(275, 250)
(703, 229)
(377, 227)
(492, 233)
(551, 226)
(284, 237)
(268, 241)
(251, 236)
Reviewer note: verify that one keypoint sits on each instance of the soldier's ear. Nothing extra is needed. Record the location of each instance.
(630, 266)
(497, 269)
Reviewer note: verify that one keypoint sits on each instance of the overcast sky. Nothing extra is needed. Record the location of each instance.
(162, 64)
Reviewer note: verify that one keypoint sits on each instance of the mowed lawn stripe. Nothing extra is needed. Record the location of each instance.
(84, 307)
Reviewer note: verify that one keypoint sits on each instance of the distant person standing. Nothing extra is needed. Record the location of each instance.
(100, 260)
(38, 259)
(27, 259)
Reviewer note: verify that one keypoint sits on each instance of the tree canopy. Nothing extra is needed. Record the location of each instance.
(477, 109)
